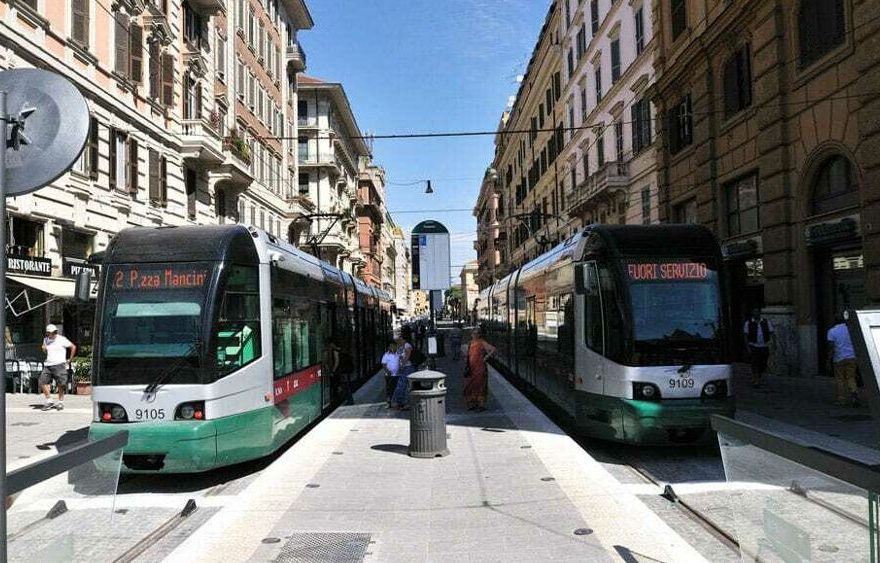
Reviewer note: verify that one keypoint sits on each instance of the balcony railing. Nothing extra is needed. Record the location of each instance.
(609, 176)
(199, 128)
(307, 122)
(296, 57)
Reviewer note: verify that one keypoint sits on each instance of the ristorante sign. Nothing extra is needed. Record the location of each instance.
(28, 265)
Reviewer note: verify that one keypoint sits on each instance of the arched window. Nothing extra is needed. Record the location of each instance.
(821, 28)
(835, 185)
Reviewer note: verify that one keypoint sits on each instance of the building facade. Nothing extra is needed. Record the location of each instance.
(171, 141)
(470, 291)
(371, 213)
(770, 125)
(521, 209)
(402, 273)
(330, 148)
(609, 153)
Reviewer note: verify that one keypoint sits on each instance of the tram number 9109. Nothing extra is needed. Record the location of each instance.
(149, 414)
(681, 383)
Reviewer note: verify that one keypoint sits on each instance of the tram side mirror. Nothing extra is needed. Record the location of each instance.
(83, 286)
(579, 283)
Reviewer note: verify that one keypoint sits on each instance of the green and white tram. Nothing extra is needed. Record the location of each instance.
(214, 344)
(623, 328)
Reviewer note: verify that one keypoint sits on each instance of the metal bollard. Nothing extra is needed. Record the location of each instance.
(427, 423)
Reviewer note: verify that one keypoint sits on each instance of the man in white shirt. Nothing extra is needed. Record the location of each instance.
(758, 333)
(843, 357)
(55, 367)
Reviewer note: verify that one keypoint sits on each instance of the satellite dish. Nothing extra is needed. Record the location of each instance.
(47, 128)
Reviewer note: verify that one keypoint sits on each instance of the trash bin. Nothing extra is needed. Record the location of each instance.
(427, 422)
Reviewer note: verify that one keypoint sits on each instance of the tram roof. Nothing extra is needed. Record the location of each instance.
(187, 243)
(663, 239)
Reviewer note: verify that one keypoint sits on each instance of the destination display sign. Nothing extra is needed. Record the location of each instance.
(150, 277)
(668, 271)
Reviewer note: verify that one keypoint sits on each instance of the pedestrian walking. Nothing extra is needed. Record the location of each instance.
(391, 364)
(400, 399)
(341, 368)
(55, 346)
(476, 388)
(843, 359)
(758, 333)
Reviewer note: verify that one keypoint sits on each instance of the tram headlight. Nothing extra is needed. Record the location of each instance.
(645, 392)
(193, 410)
(715, 390)
(117, 412)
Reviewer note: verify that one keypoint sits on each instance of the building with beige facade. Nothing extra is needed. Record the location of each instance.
(187, 101)
(470, 290)
(402, 273)
(521, 207)
(609, 153)
(330, 150)
(770, 124)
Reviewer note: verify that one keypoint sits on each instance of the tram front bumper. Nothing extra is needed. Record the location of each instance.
(673, 421)
(162, 447)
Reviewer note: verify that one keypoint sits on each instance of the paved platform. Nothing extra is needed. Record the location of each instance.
(33, 434)
(514, 488)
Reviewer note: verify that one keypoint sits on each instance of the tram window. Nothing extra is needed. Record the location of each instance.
(613, 319)
(593, 309)
(238, 325)
(565, 341)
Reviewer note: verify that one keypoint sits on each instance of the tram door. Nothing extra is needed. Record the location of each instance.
(590, 347)
(327, 312)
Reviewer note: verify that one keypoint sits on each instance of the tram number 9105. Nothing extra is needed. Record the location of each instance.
(681, 383)
(149, 414)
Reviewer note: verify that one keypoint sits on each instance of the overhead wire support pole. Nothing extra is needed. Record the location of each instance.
(4, 119)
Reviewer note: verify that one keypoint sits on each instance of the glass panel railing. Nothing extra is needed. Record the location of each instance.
(65, 517)
(792, 502)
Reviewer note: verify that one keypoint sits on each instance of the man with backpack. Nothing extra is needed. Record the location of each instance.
(758, 333)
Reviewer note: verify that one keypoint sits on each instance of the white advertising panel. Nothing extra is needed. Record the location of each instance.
(430, 256)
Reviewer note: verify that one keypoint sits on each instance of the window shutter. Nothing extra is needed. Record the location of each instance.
(168, 79)
(154, 175)
(646, 123)
(155, 71)
(635, 124)
(112, 158)
(132, 166)
(163, 180)
(80, 11)
(198, 109)
(136, 50)
(121, 40)
(93, 149)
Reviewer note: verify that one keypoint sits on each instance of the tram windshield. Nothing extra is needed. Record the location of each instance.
(676, 311)
(152, 313)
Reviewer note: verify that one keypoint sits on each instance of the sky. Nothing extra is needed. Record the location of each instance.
(416, 66)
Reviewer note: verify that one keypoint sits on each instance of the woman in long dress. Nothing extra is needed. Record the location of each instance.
(476, 388)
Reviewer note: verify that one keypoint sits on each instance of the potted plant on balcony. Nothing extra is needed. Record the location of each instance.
(82, 372)
(236, 143)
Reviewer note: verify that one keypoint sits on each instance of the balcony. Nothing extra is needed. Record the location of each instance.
(208, 7)
(234, 169)
(323, 161)
(296, 58)
(307, 122)
(600, 187)
(303, 200)
(200, 141)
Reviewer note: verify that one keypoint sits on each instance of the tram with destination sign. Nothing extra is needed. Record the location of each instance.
(216, 344)
(622, 328)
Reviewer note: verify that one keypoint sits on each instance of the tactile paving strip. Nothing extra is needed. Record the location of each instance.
(330, 547)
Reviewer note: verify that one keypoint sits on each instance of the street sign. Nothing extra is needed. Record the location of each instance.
(430, 256)
(46, 130)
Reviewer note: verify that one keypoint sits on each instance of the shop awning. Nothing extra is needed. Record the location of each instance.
(21, 302)
(59, 287)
